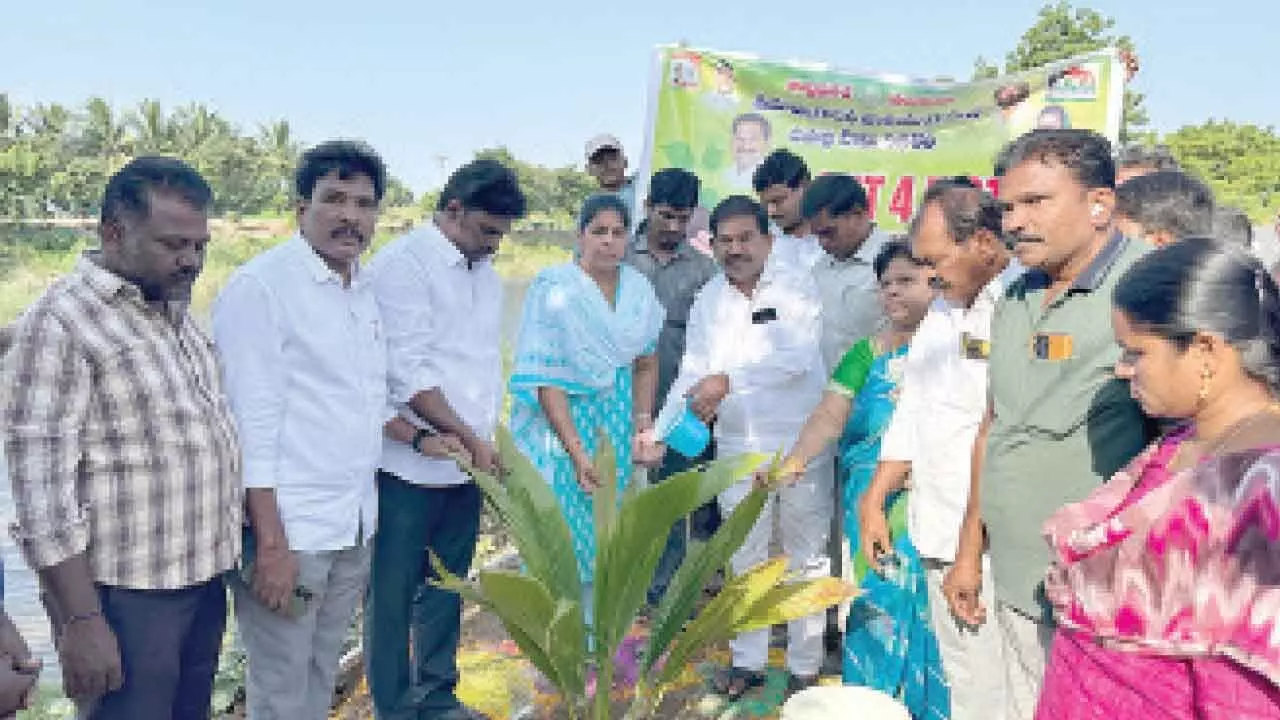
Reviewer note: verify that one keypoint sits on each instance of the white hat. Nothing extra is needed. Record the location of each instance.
(602, 142)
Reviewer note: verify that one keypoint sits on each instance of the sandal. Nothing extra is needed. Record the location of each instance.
(734, 682)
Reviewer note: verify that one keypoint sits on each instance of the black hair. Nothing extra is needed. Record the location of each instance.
(1202, 285)
(739, 206)
(1167, 201)
(1084, 152)
(128, 191)
(600, 202)
(753, 118)
(349, 158)
(897, 249)
(1157, 157)
(1232, 225)
(780, 167)
(675, 188)
(966, 208)
(1000, 166)
(598, 156)
(836, 193)
(485, 185)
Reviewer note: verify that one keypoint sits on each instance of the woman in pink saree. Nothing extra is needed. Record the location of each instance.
(1166, 580)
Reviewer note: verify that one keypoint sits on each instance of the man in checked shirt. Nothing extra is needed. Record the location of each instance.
(123, 456)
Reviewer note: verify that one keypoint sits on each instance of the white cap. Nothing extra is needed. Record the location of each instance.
(603, 142)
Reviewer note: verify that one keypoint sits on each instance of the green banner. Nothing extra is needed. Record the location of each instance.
(719, 114)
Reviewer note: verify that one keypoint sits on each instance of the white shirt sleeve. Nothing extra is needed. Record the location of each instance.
(411, 328)
(250, 344)
(898, 442)
(794, 340)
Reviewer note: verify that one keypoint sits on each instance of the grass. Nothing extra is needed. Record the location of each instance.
(32, 257)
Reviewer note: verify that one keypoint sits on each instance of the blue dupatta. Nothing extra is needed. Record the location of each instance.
(570, 338)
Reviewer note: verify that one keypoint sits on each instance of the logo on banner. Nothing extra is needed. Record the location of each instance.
(1078, 82)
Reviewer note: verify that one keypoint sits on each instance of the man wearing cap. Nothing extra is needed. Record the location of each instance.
(607, 163)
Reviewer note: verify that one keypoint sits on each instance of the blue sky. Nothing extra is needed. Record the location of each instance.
(427, 80)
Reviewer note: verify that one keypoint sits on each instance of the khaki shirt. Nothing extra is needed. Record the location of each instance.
(1063, 422)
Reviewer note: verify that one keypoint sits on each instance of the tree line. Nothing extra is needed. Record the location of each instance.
(55, 159)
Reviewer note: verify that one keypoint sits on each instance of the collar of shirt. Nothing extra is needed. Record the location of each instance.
(995, 287)
(1093, 275)
(640, 246)
(866, 252)
(112, 287)
(317, 268)
(106, 283)
(443, 250)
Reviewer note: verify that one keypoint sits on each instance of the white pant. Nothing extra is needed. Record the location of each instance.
(805, 520)
(1026, 653)
(971, 657)
(293, 663)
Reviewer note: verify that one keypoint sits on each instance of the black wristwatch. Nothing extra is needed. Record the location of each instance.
(418, 437)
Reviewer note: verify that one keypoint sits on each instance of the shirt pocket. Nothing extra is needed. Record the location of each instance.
(1073, 390)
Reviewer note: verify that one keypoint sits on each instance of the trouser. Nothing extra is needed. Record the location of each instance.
(293, 662)
(804, 510)
(673, 554)
(412, 628)
(971, 657)
(169, 642)
(1026, 643)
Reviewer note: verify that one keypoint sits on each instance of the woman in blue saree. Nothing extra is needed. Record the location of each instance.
(888, 644)
(585, 363)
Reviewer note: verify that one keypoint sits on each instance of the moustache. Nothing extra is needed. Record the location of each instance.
(347, 231)
(938, 283)
(1016, 238)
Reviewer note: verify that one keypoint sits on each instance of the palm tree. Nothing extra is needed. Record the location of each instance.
(150, 128)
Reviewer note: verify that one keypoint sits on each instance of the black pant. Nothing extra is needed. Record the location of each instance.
(402, 611)
(169, 643)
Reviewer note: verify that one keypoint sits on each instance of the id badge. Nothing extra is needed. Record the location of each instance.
(1051, 346)
(974, 348)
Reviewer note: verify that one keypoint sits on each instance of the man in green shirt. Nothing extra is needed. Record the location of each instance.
(1058, 421)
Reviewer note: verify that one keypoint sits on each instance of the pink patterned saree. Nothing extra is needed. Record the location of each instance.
(1166, 589)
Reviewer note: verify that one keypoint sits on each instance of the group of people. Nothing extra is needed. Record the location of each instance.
(1046, 424)
(305, 456)
(1053, 415)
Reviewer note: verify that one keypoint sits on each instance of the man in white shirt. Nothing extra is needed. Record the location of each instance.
(780, 183)
(751, 135)
(300, 339)
(944, 396)
(751, 362)
(441, 303)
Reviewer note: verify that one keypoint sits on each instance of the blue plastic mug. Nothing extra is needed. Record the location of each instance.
(687, 435)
